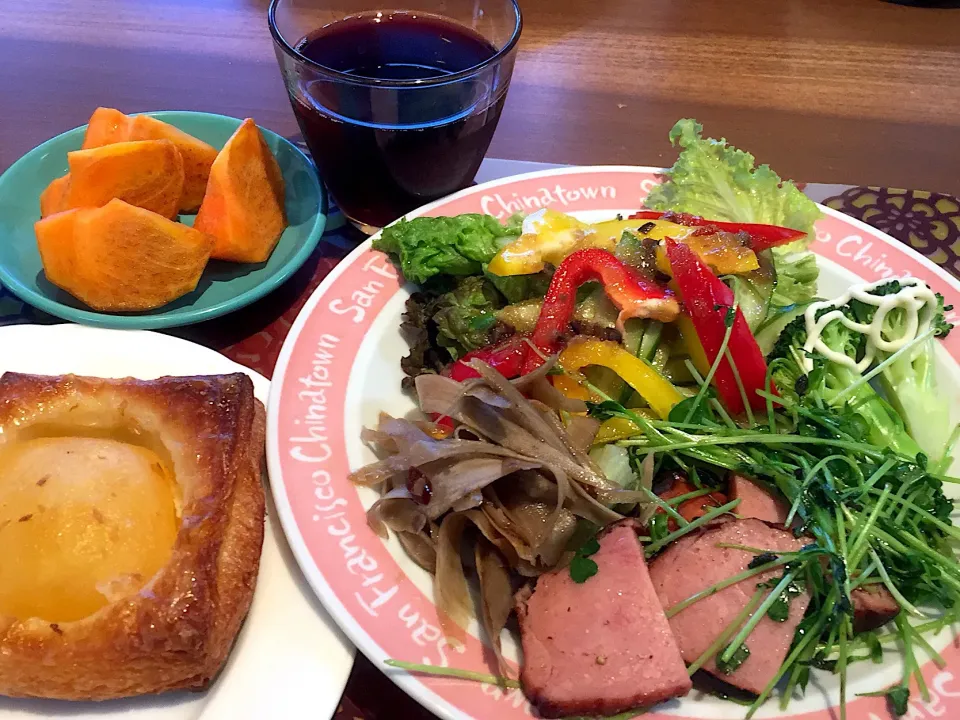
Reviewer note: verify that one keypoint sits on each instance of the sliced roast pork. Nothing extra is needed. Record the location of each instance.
(601, 646)
(756, 501)
(695, 563)
(873, 606)
(695, 507)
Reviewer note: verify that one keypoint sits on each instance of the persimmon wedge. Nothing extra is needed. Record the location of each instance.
(243, 208)
(146, 173)
(121, 258)
(198, 156)
(108, 126)
(54, 197)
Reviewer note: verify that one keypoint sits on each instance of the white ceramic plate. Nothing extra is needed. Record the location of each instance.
(290, 660)
(340, 367)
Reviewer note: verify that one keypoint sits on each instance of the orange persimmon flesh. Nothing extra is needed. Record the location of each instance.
(108, 126)
(54, 197)
(57, 248)
(243, 208)
(197, 156)
(121, 258)
(146, 173)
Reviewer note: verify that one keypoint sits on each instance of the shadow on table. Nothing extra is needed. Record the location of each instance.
(386, 702)
(276, 312)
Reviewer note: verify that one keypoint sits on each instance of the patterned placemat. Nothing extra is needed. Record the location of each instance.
(928, 222)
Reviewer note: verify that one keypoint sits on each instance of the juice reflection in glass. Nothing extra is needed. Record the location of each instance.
(397, 107)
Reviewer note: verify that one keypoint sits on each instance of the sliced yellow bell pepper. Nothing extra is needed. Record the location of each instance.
(558, 235)
(723, 254)
(692, 344)
(571, 388)
(616, 428)
(659, 392)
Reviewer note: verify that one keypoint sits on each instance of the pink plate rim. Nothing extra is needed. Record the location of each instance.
(310, 470)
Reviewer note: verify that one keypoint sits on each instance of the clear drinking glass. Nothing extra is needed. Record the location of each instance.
(397, 106)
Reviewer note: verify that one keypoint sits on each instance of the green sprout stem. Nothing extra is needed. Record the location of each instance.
(797, 651)
(680, 499)
(714, 589)
(758, 615)
(691, 526)
(864, 379)
(724, 637)
(452, 672)
(904, 603)
(740, 387)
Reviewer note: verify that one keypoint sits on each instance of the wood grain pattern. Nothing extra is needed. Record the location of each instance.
(849, 91)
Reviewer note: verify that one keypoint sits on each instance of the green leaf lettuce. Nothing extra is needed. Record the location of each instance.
(466, 315)
(430, 246)
(717, 181)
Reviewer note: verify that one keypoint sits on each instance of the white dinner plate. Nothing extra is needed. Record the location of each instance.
(340, 367)
(290, 660)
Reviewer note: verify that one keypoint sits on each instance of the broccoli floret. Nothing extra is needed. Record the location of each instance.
(794, 335)
(909, 380)
(865, 312)
(941, 327)
(829, 382)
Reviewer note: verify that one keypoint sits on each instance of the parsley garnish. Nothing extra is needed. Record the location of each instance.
(761, 559)
(779, 611)
(898, 696)
(736, 660)
(581, 566)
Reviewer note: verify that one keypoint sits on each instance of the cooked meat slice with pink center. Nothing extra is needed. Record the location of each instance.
(756, 501)
(695, 563)
(873, 606)
(602, 646)
(693, 508)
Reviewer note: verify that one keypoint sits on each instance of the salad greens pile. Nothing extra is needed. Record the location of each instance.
(715, 180)
(909, 379)
(456, 308)
(855, 435)
(874, 518)
(832, 384)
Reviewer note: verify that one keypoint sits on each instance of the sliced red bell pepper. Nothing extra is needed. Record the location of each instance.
(762, 237)
(633, 294)
(707, 301)
(506, 358)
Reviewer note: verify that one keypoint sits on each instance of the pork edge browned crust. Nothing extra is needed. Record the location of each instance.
(176, 633)
(873, 607)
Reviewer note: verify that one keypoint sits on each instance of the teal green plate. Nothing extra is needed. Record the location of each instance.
(224, 286)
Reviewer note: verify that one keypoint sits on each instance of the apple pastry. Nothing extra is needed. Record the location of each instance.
(131, 524)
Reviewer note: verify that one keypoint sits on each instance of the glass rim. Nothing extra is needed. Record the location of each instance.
(332, 74)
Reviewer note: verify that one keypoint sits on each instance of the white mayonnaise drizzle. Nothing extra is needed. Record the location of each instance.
(918, 302)
(534, 222)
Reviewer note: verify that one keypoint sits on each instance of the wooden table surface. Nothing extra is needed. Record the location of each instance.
(845, 91)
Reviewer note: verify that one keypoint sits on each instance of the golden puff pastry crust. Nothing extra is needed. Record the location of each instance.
(175, 632)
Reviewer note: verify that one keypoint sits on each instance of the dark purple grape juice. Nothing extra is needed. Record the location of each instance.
(383, 147)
